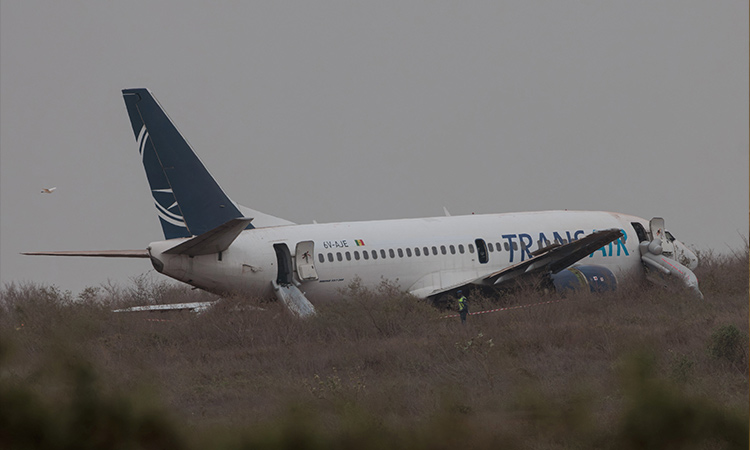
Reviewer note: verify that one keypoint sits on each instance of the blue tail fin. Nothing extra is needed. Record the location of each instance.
(187, 198)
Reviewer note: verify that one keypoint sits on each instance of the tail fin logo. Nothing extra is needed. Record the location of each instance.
(164, 199)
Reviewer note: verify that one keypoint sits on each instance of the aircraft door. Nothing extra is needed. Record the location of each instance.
(657, 228)
(284, 260)
(658, 231)
(304, 257)
(481, 251)
(640, 231)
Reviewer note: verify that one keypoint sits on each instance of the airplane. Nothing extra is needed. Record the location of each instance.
(215, 244)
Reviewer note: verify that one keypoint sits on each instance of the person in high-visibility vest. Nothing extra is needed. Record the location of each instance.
(463, 307)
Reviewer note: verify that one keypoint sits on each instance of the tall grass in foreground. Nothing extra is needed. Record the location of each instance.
(638, 368)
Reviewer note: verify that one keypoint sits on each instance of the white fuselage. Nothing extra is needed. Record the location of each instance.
(419, 255)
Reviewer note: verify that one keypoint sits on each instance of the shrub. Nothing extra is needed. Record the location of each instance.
(656, 415)
(727, 343)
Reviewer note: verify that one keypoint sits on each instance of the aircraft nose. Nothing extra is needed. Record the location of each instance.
(686, 256)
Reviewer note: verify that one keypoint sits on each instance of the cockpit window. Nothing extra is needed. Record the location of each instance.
(669, 236)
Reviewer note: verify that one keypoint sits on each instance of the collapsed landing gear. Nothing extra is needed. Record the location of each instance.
(441, 301)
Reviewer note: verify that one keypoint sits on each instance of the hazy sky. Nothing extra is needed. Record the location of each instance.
(334, 111)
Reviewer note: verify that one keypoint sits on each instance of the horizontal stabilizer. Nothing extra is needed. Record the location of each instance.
(95, 253)
(212, 241)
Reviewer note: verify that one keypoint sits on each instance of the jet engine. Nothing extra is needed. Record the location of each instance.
(595, 278)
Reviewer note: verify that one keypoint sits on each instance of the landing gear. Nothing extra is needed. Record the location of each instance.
(442, 301)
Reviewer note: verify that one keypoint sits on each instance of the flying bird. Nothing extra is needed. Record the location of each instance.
(48, 190)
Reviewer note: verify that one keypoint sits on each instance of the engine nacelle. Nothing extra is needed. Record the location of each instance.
(595, 278)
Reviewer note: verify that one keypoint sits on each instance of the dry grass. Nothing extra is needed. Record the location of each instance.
(641, 367)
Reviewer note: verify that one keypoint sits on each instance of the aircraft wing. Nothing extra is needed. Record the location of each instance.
(552, 259)
(95, 253)
(548, 260)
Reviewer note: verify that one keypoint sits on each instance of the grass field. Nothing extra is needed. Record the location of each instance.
(643, 367)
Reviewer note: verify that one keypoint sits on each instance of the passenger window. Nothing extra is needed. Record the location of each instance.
(374, 254)
(382, 254)
(408, 252)
(365, 255)
(339, 257)
(416, 251)
(515, 246)
(507, 247)
(321, 258)
(471, 248)
(391, 252)
(330, 257)
(442, 249)
(356, 255)
(434, 250)
(491, 247)
(426, 251)
(453, 249)
(498, 246)
(400, 253)
(348, 256)
(461, 248)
